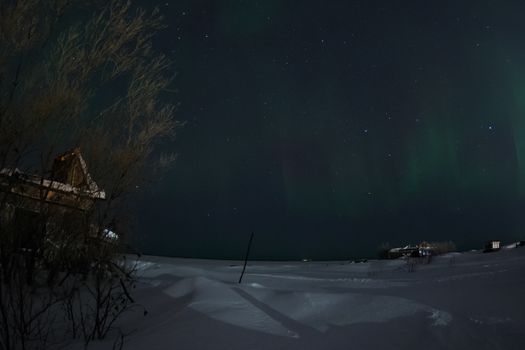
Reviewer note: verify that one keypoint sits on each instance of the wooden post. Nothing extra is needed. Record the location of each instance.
(246, 258)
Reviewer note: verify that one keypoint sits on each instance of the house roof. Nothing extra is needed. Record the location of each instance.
(63, 163)
(70, 159)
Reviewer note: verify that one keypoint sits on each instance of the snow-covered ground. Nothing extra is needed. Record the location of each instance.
(458, 301)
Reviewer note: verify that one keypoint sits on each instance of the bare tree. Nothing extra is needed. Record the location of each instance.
(74, 75)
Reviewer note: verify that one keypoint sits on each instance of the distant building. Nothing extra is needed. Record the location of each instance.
(408, 250)
(492, 246)
(426, 249)
(420, 250)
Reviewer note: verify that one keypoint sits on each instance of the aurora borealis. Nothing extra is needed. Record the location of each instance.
(328, 128)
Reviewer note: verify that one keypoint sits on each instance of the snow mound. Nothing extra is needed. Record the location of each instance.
(440, 318)
(322, 311)
(221, 302)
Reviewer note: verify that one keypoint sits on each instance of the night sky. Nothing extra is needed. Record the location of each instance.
(330, 127)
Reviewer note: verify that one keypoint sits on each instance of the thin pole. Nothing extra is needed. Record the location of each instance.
(246, 258)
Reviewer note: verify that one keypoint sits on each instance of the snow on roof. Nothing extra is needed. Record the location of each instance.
(91, 189)
(92, 185)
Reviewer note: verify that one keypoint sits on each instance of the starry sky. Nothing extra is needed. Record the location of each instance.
(330, 127)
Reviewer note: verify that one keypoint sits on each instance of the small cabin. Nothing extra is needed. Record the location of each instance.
(492, 246)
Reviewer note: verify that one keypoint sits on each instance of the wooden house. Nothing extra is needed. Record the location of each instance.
(68, 186)
(65, 194)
